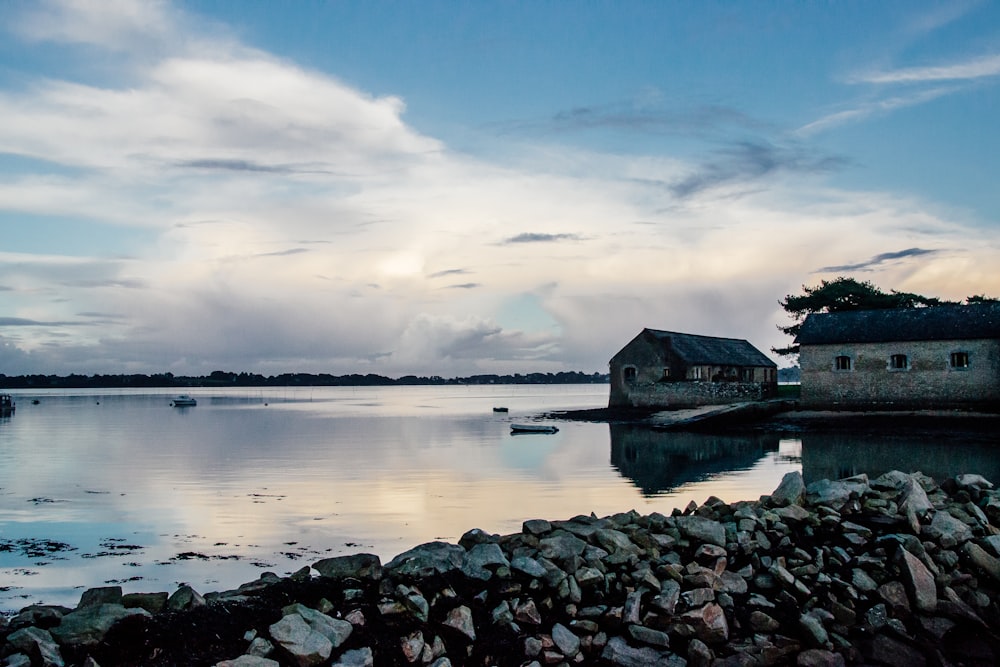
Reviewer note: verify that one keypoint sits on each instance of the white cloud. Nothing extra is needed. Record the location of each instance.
(975, 68)
(301, 221)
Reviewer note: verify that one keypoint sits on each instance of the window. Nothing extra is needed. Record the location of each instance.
(899, 362)
(696, 373)
(748, 375)
(959, 359)
(842, 363)
(629, 373)
(666, 372)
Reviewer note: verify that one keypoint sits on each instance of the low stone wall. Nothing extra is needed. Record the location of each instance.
(693, 394)
(893, 571)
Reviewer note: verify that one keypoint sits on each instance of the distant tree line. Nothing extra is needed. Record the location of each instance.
(244, 379)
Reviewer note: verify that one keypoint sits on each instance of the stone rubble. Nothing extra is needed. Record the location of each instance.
(896, 571)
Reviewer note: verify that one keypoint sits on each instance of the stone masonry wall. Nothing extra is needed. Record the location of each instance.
(690, 394)
(929, 382)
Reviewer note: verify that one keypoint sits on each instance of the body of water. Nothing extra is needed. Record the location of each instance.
(116, 487)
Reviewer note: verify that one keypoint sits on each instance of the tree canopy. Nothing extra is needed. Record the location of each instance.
(844, 294)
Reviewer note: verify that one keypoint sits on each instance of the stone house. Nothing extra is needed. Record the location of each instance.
(907, 358)
(677, 370)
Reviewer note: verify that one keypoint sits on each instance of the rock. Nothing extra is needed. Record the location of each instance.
(427, 559)
(364, 567)
(18, 660)
(87, 626)
(561, 547)
(154, 603)
(833, 494)
(709, 623)
(335, 630)
(919, 582)
(483, 556)
(819, 658)
(649, 636)
(814, 631)
(888, 651)
(528, 566)
(303, 644)
(93, 597)
(260, 647)
(460, 618)
(248, 661)
(947, 530)
(536, 527)
(412, 645)
(762, 623)
(914, 498)
(618, 652)
(701, 529)
(973, 481)
(567, 642)
(185, 598)
(699, 655)
(982, 560)
(36, 642)
(527, 612)
(790, 491)
(359, 657)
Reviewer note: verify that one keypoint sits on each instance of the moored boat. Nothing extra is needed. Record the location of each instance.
(183, 401)
(533, 428)
(7, 405)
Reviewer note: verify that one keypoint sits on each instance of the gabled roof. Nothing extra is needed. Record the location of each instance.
(709, 350)
(957, 322)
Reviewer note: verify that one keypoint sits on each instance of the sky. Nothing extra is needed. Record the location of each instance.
(454, 188)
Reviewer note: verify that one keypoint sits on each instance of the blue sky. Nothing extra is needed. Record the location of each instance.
(459, 188)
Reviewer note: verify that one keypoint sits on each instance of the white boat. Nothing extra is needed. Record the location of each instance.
(183, 401)
(533, 428)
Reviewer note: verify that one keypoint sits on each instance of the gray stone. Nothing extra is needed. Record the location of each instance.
(528, 566)
(588, 577)
(412, 645)
(336, 630)
(973, 481)
(536, 527)
(359, 657)
(38, 642)
(460, 618)
(888, 651)
(645, 635)
(18, 660)
(248, 661)
(614, 540)
(699, 655)
(366, 567)
(427, 559)
(862, 580)
(260, 648)
(154, 603)
(185, 598)
(919, 582)
(565, 640)
(813, 629)
(93, 597)
(669, 595)
(982, 559)
(833, 494)
(709, 623)
(483, 556)
(618, 652)
(761, 622)
(815, 657)
(527, 612)
(304, 645)
(700, 529)
(87, 626)
(914, 498)
(562, 546)
(790, 491)
(948, 530)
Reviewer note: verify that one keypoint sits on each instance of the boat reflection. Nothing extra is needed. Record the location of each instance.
(661, 461)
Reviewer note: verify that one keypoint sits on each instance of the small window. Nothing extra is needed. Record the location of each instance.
(899, 362)
(842, 363)
(666, 372)
(959, 359)
(696, 373)
(629, 373)
(748, 375)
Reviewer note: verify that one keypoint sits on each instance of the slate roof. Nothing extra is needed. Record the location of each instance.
(974, 321)
(709, 350)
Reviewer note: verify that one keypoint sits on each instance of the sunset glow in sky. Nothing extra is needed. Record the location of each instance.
(456, 188)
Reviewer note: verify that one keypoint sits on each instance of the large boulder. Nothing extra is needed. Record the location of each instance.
(365, 567)
(428, 559)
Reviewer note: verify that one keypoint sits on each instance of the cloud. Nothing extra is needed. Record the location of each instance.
(536, 237)
(878, 260)
(877, 107)
(985, 66)
(464, 286)
(449, 272)
(748, 161)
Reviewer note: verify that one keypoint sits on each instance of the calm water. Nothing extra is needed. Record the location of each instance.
(137, 493)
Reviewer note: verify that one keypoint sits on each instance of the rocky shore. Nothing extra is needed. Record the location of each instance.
(896, 571)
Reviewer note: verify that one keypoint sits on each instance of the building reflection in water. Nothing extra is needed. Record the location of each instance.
(839, 455)
(661, 461)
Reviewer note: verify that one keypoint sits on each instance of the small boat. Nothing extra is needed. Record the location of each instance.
(499, 409)
(183, 401)
(7, 406)
(533, 428)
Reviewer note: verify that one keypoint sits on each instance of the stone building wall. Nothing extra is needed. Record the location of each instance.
(929, 381)
(692, 394)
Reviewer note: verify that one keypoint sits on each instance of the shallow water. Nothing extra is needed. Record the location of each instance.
(116, 487)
